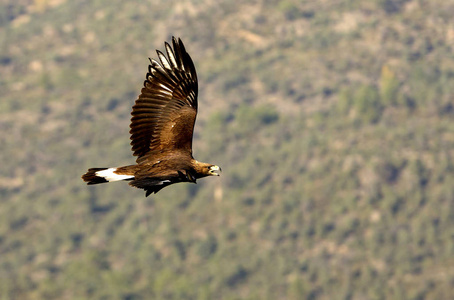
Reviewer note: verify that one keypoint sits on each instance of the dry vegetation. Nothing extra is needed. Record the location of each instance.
(332, 121)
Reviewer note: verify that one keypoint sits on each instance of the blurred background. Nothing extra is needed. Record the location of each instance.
(332, 121)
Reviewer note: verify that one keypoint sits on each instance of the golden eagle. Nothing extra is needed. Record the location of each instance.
(162, 126)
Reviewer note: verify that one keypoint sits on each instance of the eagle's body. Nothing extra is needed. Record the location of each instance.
(162, 125)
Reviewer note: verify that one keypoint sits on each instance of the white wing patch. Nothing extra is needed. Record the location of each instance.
(109, 175)
(162, 182)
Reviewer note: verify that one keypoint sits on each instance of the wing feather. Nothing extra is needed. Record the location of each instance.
(164, 114)
(171, 56)
(164, 62)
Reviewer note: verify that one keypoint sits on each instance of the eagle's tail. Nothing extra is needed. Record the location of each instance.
(101, 175)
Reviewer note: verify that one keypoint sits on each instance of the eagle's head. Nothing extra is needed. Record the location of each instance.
(205, 169)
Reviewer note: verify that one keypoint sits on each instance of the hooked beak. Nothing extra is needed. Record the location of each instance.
(214, 170)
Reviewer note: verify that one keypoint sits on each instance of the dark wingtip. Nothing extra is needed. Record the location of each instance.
(180, 42)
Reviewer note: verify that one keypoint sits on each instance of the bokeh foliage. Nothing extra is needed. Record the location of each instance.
(332, 122)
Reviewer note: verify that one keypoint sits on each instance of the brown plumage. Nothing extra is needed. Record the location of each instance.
(162, 125)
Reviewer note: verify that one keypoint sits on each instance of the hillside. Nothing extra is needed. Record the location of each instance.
(333, 122)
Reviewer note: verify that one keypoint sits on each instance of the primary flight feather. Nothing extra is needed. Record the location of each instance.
(162, 126)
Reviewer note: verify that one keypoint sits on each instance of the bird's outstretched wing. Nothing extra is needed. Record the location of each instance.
(163, 116)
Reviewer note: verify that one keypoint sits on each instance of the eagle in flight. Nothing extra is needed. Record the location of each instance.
(162, 126)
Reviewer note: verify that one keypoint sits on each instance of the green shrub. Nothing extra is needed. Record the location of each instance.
(367, 105)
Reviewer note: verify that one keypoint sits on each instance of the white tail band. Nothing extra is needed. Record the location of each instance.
(109, 175)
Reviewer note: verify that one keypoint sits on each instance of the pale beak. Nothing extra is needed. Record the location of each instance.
(214, 169)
